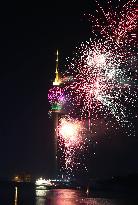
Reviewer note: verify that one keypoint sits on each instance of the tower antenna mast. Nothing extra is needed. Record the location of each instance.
(57, 79)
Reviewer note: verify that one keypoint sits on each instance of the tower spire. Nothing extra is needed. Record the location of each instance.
(57, 80)
(57, 63)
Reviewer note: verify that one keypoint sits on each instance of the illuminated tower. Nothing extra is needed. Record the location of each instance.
(55, 110)
(55, 97)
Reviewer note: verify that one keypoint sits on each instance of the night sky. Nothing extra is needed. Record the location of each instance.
(30, 33)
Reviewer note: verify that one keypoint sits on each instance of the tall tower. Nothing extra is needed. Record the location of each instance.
(55, 97)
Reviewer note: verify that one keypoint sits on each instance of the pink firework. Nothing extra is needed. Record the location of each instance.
(104, 71)
(118, 22)
(71, 139)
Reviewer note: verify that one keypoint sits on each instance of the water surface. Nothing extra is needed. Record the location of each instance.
(75, 197)
(24, 195)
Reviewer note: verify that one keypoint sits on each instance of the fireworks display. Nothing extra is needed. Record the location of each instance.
(102, 78)
(71, 137)
(118, 22)
(104, 70)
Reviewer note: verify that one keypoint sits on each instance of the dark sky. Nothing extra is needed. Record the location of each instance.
(30, 33)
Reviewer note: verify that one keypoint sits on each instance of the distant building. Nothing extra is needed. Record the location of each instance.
(22, 178)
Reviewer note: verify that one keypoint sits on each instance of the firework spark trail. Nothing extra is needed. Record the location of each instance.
(116, 25)
(100, 80)
(102, 70)
(71, 137)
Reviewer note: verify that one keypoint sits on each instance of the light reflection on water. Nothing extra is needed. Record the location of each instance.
(16, 196)
(67, 197)
(41, 191)
(42, 196)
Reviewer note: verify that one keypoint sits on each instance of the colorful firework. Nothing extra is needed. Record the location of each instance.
(72, 140)
(104, 71)
(102, 81)
(117, 22)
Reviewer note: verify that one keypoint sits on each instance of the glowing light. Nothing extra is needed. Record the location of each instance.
(16, 196)
(117, 24)
(45, 182)
(104, 71)
(56, 98)
(100, 82)
(69, 131)
(71, 138)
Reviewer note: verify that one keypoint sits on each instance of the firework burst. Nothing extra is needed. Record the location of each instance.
(104, 71)
(100, 82)
(118, 23)
(71, 139)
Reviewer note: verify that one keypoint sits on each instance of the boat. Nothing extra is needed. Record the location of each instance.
(43, 182)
